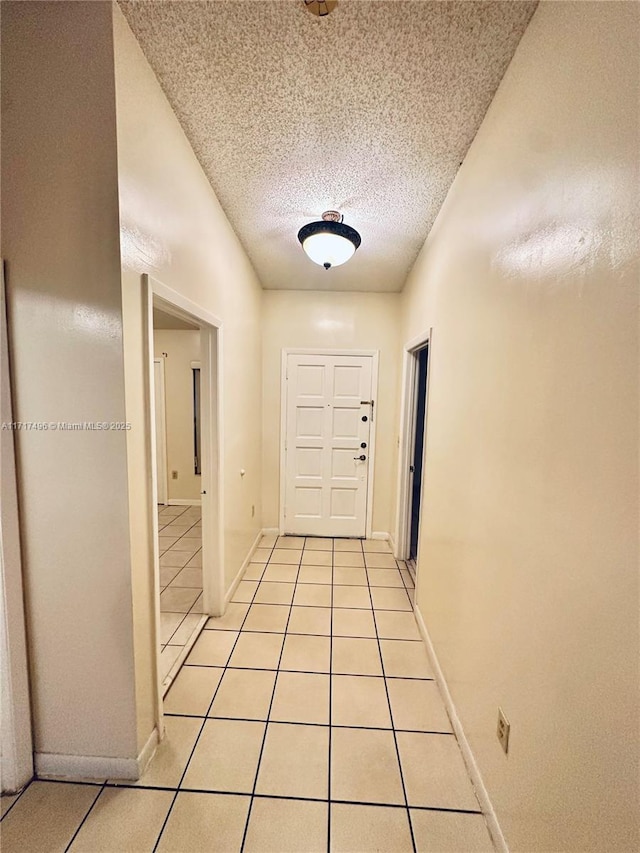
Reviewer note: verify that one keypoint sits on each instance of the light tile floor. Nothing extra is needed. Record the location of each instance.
(180, 546)
(305, 719)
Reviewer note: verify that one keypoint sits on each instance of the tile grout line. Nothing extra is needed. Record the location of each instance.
(84, 819)
(393, 730)
(273, 693)
(197, 740)
(17, 798)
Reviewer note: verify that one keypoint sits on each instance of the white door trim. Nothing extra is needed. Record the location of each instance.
(375, 357)
(407, 430)
(161, 436)
(16, 746)
(172, 302)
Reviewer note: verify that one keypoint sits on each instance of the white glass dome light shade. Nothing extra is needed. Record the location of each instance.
(328, 243)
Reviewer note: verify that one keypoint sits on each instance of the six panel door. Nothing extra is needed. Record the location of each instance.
(328, 419)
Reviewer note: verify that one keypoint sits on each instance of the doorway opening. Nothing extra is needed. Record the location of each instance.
(185, 460)
(420, 406)
(412, 448)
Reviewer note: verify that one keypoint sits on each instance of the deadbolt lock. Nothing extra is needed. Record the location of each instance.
(363, 445)
(365, 418)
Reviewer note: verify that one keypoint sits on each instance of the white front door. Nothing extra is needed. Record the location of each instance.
(328, 410)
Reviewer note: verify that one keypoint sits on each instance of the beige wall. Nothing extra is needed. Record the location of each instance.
(173, 228)
(181, 348)
(60, 240)
(528, 564)
(332, 321)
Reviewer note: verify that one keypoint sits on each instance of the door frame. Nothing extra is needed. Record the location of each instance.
(170, 301)
(161, 438)
(375, 358)
(16, 737)
(407, 437)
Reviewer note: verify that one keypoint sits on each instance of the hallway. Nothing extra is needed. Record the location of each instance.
(306, 718)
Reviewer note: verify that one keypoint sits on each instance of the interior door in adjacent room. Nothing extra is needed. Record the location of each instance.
(327, 425)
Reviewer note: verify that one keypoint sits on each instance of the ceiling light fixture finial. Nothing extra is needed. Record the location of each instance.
(320, 7)
(329, 242)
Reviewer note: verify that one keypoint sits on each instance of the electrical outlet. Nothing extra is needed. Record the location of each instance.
(503, 729)
(174, 475)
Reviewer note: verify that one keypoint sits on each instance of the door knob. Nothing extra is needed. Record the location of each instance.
(362, 457)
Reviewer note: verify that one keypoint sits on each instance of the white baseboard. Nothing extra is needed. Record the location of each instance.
(271, 531)
(183, 502)
(243, 568)
(380, 534)
(95, 767)
(469, 759)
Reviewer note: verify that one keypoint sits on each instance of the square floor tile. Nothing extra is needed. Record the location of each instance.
(290, 556)
(397, 626)
(190, 576)
(295, 542)
(355, 657)
(446, 785)
(192, 691)
(212, 648)
(352, 596)
(244, 694)
(317, 543)
(353, 623)
(365, 828)
(167, 574)
(306, 654)
(274, 593)
(123, 819)
(346, 576)
(189, 545)
(380, 561)
(312, 595)
(315, 574)
(187, 628)
(354, 754)
(449, 832)
(405, 659)
(205, 823)
(232, 620)
(286, 826)
(301, 697)
(167, 765)
(268, 541)
(390, 599)
(226, 756)
(379, 546)
(174, 559)
(417, 705)
(348, 545)
(385, 578)
(6, 801)
(261, 555)
(359, 700)
(407, 578)
(46, 816)
(310, 620)
(198, 607)
(254, 572)
(177, 599)
(245, 591)
(280, 572)
(349, 559)
(257, 651)
(317, 558)
(267, 617)
(165, 542)
(168, 625)
(294, 761)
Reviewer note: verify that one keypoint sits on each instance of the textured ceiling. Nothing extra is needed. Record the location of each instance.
(369, 111)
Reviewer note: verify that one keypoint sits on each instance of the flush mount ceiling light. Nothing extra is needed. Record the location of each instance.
(329, 242)
(320, 7)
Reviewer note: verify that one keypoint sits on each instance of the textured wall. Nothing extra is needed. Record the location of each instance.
(528, 570)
